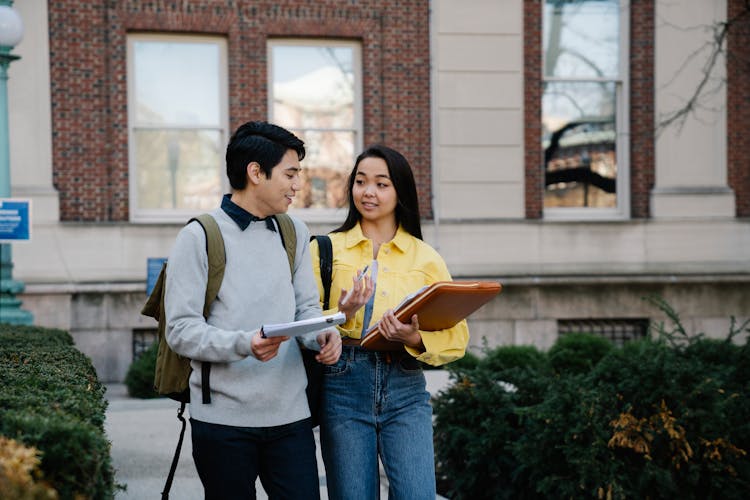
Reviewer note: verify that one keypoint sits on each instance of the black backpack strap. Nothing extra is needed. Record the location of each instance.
(176, 458)
(325, 250)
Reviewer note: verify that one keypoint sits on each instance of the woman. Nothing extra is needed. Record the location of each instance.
(374, 404)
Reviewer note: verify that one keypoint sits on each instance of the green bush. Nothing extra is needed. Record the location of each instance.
(658, 418)
(476, 423)
(140, 377)
(649, 420)
(578, 352)
(51, 399)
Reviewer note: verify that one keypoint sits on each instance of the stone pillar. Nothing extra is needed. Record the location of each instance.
(691, 154)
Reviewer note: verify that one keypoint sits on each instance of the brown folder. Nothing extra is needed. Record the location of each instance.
(438, 306)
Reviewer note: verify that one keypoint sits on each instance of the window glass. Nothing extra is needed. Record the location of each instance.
(168, 87)
(582, 98)
(177, 136)
(579, 144)
(176, 169)
(581, 38)
(314, 91)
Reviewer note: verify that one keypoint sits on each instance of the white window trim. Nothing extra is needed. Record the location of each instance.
(172, 215)
(622, 142)
(324, 215)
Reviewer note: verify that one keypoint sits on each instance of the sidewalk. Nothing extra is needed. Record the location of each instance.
(144, 434)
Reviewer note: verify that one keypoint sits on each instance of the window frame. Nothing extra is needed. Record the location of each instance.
(172, 215)
(323, 215)
(622, 130)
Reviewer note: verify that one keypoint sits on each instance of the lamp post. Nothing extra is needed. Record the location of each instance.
(11, 32)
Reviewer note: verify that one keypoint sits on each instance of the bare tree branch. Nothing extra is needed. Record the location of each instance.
(693, 103)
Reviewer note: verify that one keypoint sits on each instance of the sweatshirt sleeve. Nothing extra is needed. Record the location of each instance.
(187, 331)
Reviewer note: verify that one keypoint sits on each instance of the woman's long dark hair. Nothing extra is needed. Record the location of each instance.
(407, 203)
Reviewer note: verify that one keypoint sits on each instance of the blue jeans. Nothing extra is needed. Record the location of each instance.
(229, 459)
(375, 404)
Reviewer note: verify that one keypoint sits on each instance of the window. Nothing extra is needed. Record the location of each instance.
(143, 338)
(618, 331)
(315, 91)
(584, 112)
(177, 125)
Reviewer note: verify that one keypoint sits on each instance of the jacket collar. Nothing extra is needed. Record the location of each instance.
(402, 240)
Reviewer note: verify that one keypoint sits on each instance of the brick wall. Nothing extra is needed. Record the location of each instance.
(532, 106)
(642, 33)
(738, 104)
(641, 106)
(89, 79)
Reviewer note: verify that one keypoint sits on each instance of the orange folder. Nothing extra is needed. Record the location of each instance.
(438, 306)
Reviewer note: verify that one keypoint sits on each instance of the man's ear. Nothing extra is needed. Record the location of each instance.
(254, 173)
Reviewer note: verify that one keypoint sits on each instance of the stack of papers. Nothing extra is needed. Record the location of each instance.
(303, 326)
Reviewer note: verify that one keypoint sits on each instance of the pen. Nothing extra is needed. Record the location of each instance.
(349, 293)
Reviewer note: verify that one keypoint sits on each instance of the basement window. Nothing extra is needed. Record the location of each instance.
(618, 331)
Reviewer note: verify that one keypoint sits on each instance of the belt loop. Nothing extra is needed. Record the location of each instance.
(388, 357)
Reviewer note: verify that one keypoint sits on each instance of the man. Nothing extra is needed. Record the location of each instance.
(257, 422)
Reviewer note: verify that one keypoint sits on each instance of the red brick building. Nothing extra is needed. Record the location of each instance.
(532, 127)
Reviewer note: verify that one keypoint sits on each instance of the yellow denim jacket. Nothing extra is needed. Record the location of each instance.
(405, 264)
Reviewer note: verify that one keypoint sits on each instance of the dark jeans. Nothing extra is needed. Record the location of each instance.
(229, 459)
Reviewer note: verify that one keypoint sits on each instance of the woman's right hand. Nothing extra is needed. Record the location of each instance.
(350, 301)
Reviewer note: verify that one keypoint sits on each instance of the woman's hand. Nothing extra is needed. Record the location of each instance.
(406, 333)
(352, 300)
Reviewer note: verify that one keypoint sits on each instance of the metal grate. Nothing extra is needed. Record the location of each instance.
(142, 340)
(618, 331)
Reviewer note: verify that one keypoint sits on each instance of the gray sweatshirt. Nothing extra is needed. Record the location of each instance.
(257, 289)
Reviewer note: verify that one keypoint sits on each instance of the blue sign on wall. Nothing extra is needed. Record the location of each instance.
(153, 267)
(15, 220)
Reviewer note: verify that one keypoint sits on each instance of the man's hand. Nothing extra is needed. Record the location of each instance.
(266, 348)
(330, 347)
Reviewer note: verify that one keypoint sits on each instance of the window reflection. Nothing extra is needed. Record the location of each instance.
(176, 169)
(581, 38)
(168, 89)
(578, 129)
(176, 130)
(579, 133)
(313, 95)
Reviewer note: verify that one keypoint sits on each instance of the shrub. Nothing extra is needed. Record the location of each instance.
(51, 400)
(647, 421)
(20, 476)
(504, 358)
(140, 377)
(476, 422)
(666, 417)
(578, 352)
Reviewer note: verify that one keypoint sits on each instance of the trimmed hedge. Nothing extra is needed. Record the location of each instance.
(666, 417)
(51, 399)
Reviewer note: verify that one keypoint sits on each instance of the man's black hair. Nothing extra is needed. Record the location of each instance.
(261, 142)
